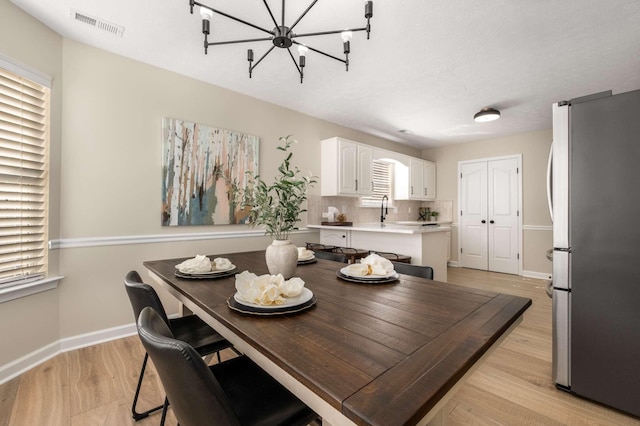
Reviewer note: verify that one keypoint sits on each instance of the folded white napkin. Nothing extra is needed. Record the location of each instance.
(374, 264)
(196, 265)
(221, 264)
(303, 253)
(267, 289)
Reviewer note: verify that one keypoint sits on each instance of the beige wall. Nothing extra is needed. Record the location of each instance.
(31, 323)
(534, 148)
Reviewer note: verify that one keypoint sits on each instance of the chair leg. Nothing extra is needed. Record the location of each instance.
(164, 411)
(138, 416)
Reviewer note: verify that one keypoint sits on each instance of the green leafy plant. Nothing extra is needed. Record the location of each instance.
(277, 207)
(435, 214)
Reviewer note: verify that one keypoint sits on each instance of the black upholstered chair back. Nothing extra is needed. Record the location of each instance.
(142, 295)
(193, 391)
(414, 270)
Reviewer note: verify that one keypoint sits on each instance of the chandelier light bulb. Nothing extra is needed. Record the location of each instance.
(206, 13)
(302, 50)
(346, 36)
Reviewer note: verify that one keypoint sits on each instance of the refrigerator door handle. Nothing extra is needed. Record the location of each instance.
(549, 182)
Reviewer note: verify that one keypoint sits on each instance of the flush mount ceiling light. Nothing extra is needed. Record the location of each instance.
(281, 35)
(486, 114)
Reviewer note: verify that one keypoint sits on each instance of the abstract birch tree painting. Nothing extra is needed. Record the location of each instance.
(202, 167)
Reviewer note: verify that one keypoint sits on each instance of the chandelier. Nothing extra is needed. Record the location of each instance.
(281, 35)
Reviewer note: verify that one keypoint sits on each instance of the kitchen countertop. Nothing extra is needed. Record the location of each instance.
(407, 227)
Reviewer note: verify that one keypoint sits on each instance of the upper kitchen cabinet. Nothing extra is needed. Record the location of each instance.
(347, 168)
(417, 181)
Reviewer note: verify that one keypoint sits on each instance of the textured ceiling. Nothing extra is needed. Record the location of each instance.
(428, 67)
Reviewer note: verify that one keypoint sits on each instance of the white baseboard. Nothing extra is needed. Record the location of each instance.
(27, 362)
(537, 275)
(453, 264)
(37, 357)
(96, 337)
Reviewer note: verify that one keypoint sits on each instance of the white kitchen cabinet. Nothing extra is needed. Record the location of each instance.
(347, 168)
(339, 238)
(416, 182)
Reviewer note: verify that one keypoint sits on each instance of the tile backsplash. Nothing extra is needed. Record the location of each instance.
(350, 206)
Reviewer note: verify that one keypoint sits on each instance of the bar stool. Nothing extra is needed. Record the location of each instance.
(394, 257)
(352, 254)
(319, 247)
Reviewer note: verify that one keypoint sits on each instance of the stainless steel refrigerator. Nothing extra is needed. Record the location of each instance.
(596, 241)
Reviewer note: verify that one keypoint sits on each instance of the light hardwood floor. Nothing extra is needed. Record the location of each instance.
(95, 385)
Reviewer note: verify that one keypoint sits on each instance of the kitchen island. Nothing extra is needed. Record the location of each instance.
(428, 245)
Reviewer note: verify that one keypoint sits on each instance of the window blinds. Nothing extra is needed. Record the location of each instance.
(382, 183)
(24, 138)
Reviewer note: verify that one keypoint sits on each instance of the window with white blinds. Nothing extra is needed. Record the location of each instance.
(24, 141)
(382, 184)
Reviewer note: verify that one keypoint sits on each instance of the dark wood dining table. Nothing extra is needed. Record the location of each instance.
(366, 354)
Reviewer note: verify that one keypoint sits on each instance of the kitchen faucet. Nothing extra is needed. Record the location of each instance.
(384, 209)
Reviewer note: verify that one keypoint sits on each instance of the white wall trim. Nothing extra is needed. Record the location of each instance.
(27, 289)
(536, 275)
(96, 337)
(537, 227)
(453, 263)
(27, 362)
(66, 243)
(37, 357)
(25, 70)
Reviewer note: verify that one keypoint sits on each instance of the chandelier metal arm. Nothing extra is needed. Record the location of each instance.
(328, 32)
(296, 64)
(270, 13)
(218, 43)
(321, 52)
(301, 16)
(226, 15)
(252, 67)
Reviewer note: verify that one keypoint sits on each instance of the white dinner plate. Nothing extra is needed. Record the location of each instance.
(300, 299)
(217, 271)
(345, 271)
(312, 256)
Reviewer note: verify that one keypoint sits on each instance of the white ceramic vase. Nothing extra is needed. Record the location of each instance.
(282, 258)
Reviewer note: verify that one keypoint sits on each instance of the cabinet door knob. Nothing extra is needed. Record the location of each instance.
(491, 221)
(412, 190)
(484, 221)
(356, 184)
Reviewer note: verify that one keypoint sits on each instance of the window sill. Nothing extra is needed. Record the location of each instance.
(21, 290)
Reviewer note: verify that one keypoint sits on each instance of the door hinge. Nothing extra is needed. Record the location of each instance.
(518, 213)
(461, 250)
(517, 170)
(460, 175)
(518, 256)
(460, 212)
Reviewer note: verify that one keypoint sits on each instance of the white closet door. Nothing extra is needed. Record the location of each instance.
(473, 207)
(503, 215)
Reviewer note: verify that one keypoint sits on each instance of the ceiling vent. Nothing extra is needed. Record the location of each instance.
(98, 23)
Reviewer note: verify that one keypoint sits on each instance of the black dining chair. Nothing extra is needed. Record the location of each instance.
(336, 257)
(234, 392)
(413, 270)
(189, 328)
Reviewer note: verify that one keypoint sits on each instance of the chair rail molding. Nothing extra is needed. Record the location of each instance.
(65, 243)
